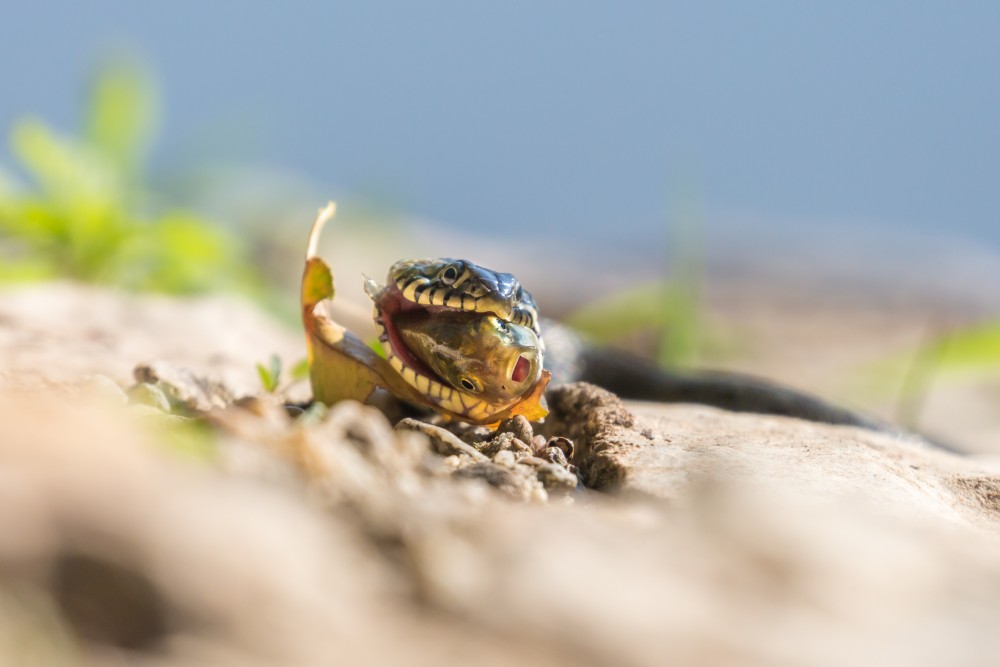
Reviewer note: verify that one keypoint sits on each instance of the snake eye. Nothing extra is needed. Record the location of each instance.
(468, 384)
(449, 275)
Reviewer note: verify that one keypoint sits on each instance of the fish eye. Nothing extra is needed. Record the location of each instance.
(449, 275)
(502, 326)
(468, 384)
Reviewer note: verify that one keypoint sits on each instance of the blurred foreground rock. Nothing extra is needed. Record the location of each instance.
(63, 332)
(252, 537)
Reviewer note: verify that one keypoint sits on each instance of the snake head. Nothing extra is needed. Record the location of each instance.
(459, 284)
(465, 337)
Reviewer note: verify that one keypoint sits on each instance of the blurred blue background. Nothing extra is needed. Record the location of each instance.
(597, 120)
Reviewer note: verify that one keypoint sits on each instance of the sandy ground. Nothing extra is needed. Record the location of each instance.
(712, 538)
(858, 349)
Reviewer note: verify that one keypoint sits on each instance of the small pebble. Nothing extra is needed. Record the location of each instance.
(565, 444)
(518, 426)
(538, 442)
(503, 441)
(472, 434)
(556, 477)
(554, 455)
(532, 461)
(505, 458)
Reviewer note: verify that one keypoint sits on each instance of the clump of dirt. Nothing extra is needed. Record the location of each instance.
(591, 418)
(510, 458)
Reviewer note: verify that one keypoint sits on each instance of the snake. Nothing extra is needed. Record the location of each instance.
(466, 341)
(470, 340)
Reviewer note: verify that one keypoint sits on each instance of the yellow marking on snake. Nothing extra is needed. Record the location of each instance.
(454, 301)
(410, 292)
(437, 298)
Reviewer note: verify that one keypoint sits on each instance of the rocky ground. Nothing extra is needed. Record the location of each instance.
(158, 508)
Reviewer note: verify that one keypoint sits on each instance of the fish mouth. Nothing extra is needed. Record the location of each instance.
(391, 306)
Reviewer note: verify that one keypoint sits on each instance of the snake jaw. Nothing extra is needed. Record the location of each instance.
(390, 302)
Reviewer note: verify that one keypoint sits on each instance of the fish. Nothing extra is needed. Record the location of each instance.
(484, 355)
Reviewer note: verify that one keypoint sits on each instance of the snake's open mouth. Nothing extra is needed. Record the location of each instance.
(470, 361)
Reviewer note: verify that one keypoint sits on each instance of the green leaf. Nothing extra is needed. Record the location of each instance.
(67, 171)
(668, 310)
(82, 215)
(974, 348)
(270, 375)
(622, 313)
(121, 116)
(300, 371)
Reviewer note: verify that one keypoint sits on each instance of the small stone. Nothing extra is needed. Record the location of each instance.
(474, 435)
(504, 441)
(554, 455)
(539, 495)
(538, 442)
(555, 477)
(145, 393)
(184, 388)
(505, 458)
(495, 475)
(565, 444)
(518, 426)
(532, 461)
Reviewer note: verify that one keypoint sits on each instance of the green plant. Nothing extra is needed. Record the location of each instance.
(669, 309)
(87, 214)
(947, 353)
(270, 373)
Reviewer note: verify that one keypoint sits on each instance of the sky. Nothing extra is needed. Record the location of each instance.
(563, 119)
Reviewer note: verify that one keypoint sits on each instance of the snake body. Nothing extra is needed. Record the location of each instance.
(441, 288)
